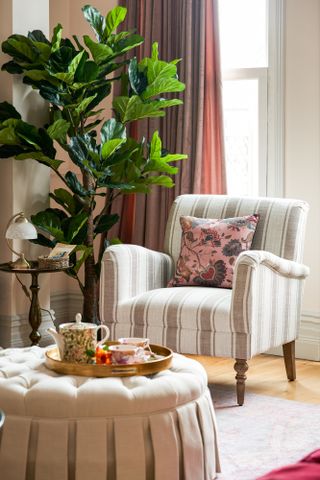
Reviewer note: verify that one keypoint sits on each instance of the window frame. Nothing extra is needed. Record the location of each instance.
(271, 104)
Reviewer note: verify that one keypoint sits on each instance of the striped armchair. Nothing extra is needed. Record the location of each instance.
(261, 311)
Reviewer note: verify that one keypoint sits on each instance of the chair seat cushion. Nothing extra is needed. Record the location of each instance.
(189, 319)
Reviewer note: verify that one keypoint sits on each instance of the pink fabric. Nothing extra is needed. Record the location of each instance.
(213, 175)
(209, 248)
(307, 469)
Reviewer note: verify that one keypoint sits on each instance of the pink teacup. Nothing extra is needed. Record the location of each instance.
(137, 341)
(125, 354)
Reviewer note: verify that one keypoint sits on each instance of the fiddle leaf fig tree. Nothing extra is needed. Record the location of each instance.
(74, 76)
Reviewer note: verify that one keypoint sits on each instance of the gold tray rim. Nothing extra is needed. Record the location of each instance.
(53, 362)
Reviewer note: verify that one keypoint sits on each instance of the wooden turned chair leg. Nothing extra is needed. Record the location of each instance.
(241, 368)
(289, 359)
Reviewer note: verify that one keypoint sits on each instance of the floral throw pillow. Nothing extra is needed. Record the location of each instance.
(209, 248)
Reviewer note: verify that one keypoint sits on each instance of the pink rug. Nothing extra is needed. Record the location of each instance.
(263, 434)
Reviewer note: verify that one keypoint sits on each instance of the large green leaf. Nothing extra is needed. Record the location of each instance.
(8, 136)
(105, 222)
(7, 151)
(39, 75)
(162, 103)
(44, 51)
(61, 59)
(56, 38)
(162, 85)
(138, 80)
(49, 222)
(44, 241)
(90, 126)
(66, 77)
(160, 69)
(109, 147)
(112, 129)
(8, 111)
(113, 20)
(76, 61)
(134, 108)
(74, 225)
(38, 36)
(83, 106)
(85, 252)
(161, 180)
(159, 162)
(95, 19)
(86, 72)
(100, 91)
(100, 52)
(162, 76)
(78, 151)
(51, 94)
(65, 199)
(33, 138)
(41, 158)
(12, 67)
(46, 143)
(74, 184)
(125, 44)
(58, 130)
(116, 37)
(21, 48)
(84, 152)
(155, 145)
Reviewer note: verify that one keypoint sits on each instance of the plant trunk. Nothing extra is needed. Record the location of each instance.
(91, 297)
(91, 281)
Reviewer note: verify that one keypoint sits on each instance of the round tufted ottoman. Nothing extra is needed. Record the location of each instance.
(58, 427)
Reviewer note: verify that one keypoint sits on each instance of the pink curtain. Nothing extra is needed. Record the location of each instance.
(186, 29)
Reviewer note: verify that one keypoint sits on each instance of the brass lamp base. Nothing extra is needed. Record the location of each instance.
(21, 263)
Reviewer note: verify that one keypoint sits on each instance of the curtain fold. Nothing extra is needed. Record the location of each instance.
(186, 29)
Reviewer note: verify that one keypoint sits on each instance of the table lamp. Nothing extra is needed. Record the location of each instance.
(20, 228)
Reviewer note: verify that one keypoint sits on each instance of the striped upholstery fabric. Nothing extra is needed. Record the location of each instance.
(261, 311)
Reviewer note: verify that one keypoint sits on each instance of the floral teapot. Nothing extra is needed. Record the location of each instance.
(76, 339)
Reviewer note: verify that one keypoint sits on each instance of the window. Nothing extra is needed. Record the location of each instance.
(251, 61)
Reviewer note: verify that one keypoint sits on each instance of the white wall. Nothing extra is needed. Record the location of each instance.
(302, 147)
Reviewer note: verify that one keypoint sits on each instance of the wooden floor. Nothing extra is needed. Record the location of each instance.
(266, 375)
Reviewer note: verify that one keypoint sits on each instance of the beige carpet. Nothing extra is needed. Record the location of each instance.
(263, 434)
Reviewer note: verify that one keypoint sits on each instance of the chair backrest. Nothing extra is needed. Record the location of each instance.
(280, 230)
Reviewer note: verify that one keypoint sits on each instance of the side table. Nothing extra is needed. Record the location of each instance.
(35, 310)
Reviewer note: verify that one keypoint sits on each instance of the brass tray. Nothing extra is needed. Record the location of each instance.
(53, 362)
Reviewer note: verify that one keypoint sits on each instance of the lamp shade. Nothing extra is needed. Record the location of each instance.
(21, 228)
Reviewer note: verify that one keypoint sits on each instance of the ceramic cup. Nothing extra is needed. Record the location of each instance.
(125, 354)
(137, 341)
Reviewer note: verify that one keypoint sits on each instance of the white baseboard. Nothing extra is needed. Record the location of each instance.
(308, 342)
(15, 330)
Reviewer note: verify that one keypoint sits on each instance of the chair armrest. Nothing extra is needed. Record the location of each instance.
(286, 268)
(266, 301)
(128, 270)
